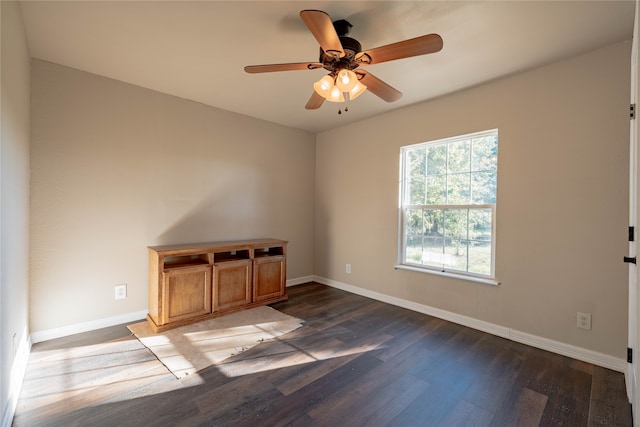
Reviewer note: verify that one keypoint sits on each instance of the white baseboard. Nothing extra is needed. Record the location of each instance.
(590, 356)
(16, 377)
(594, 357)
(64, 331)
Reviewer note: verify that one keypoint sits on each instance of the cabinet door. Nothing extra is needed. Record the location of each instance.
(231, 284)
(268, 278)
(186, 293)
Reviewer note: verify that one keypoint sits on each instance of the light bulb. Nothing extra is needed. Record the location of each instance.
(335, 95)
(346, 80)
(323, 86)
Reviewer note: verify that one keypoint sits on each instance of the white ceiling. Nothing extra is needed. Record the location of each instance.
(197, 49)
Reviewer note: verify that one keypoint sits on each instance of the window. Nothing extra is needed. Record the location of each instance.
(448, 205)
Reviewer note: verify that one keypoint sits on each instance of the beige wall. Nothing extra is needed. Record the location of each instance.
(14, 204)
(117, 168)
(562, 200)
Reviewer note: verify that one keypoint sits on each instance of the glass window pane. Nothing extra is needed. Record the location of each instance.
(432, 253)
(433, 222)
(413, 222)
(480, 224)
(484, 153)
(458, 159)
(455, 223)
(483, 187)
(413, 250)
(458, 189)
(415, 191)
(480, 257)
(416, 161)
(437, 160)
(436, 190)
(455, 254)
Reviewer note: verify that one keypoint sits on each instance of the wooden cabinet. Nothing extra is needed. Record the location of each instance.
(190, 283)
(269, 269)
(268, 274)
(187, 293)
(232, 286)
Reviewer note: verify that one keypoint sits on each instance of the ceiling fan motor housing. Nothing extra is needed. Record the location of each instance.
(351, 48)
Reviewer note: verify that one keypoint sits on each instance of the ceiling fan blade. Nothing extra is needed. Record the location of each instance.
(378, 87)
(268, 68)
(321, 27)
(422, 45)
(314, 102)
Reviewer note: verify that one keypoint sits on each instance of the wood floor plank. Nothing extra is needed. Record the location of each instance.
(408, 337)
(355, 362)
(321, 391)
(500, 378)
(363, 390)
(430, 408)
(377, 407)
(465, 414)
(526, 409)
(608, 404)
(335, 357)
(569, 405)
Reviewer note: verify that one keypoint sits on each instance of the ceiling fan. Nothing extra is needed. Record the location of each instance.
(342, 56)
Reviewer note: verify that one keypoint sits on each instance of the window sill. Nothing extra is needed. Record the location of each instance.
(485, 281)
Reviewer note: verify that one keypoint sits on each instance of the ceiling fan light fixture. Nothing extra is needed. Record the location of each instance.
(331, 87)
(358, 89)
(346, 80)
(323, 86)
(335, 95)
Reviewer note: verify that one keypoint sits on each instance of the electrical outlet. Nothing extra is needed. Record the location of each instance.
(348, 268)
(584, 321)
(121, 291)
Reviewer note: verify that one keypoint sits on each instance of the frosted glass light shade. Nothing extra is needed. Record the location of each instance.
(346, 80)
(335, 95)
(357, 90)
(323, 86)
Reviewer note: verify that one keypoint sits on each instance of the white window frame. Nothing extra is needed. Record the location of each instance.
(402, 263)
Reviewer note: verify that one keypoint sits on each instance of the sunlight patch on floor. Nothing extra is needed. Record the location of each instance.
(290, 355)
(82, 376)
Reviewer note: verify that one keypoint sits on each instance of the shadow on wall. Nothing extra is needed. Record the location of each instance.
(233, 211)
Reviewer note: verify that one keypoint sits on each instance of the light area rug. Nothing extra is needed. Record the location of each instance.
(188, 349)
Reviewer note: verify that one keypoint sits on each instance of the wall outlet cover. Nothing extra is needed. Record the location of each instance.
(121, 291)
(584, 321)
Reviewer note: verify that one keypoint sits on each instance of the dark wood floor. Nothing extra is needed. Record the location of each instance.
(355, 362)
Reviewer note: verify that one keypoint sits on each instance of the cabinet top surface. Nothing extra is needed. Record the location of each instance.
(218, 246)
